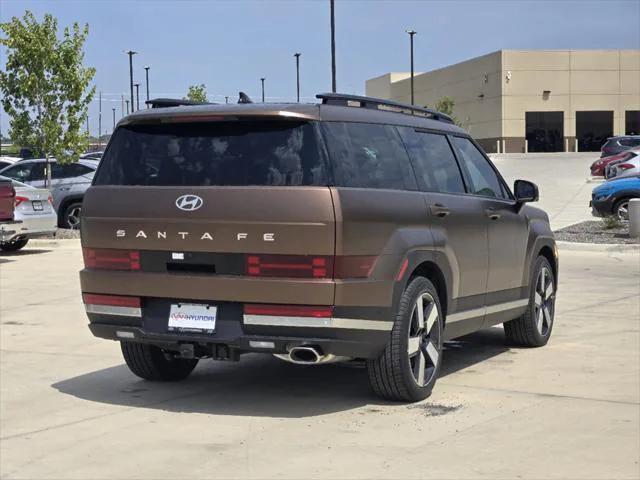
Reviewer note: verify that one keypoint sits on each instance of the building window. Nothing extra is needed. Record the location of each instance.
(632, 122)
(544, 131)
(593, 129)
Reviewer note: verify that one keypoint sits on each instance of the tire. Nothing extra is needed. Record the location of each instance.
(396, 374)
(14, 246)
(153, 363)
(533, 328)
(71, 216)
(621, 209)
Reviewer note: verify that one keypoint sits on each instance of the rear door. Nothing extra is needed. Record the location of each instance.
(200, 198)
(458, 224)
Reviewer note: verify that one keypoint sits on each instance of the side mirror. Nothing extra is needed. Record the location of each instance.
(525, 191)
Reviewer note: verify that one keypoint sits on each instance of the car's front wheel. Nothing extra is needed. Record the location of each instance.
(533, 328)
(14, 245)
(153, 363)
(408, 368)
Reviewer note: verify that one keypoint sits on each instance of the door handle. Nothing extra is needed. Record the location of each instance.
(439, 210)
(492, 213)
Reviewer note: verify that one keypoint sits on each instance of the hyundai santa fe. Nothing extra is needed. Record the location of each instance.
(356, 228)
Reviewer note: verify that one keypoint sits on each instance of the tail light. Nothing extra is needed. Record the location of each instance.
(293, 266)
(50, 199)
(625, 166)
(111, 300)
(289, 310)
(20, 200)
(308, 266)
(111, 259)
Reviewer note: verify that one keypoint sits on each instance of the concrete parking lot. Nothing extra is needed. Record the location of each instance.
(69, 407)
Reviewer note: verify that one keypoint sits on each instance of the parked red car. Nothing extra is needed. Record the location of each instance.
(7, 200)
(598, 167)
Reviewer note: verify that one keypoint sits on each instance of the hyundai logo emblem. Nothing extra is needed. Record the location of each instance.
(189, 203)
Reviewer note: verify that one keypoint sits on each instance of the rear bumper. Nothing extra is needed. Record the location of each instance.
(347, 333)
(29, 227)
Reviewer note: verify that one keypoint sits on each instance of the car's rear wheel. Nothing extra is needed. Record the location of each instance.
(533, 328)
(71, 216)
(621, 209)
(408, 368)
(14, 245)
(153, 363)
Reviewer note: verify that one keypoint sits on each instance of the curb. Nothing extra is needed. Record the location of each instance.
(598, 247)
(53, 242)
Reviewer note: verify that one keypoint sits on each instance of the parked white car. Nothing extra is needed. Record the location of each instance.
(628, 168)
(33, 216)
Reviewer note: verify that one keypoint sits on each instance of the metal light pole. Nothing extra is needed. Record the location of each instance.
(146, 73)
(131, 53)
(113, 110)
(333, 46)
(100, 121)
(411, 34)
(137, 85)
(226, 99)
(262, 80)
(127, 106)
(297, 55)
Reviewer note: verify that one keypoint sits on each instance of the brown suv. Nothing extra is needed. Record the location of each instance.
(354, 229)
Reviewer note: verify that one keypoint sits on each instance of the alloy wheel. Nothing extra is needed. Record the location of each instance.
(73, 218)
(623, 211)
(544, 299)
(423, 348)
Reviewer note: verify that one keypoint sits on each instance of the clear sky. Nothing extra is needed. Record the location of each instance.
(229, 45)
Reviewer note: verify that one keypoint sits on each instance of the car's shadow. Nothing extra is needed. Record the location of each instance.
(260, 385)
(24, 252)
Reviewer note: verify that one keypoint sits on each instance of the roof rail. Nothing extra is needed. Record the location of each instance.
(173, 102)
(381, 104)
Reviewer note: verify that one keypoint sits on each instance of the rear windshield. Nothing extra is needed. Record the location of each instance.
(217, 153)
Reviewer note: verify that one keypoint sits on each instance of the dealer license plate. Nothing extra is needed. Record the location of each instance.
(192, 317)
(37, 205)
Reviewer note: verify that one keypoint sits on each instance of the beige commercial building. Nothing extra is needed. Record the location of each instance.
(532, 100)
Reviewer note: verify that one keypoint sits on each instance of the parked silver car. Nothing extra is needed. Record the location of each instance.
(33, 216)
(68, 184)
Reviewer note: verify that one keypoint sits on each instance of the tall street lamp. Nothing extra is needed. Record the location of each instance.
(411, 34)
(137, 85)
(262, 80)
(297, 55)
(127, 106)
(146, 72)
(333, 46)
(131, 53)
(113, 110)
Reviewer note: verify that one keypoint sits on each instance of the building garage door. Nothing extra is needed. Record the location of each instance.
(593, 129)
(632, 122)
(544, 131)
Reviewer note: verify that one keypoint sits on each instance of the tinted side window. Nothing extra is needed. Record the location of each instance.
(69, 171)
(482, 178)
(434, 161)
(368, 156)
(20, 172)
(37, 171)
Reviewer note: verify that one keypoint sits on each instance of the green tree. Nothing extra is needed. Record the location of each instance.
(45, 86)
(197, 93)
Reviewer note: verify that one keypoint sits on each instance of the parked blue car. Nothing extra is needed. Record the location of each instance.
(612, 197)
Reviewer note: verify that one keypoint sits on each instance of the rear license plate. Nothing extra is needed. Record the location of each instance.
(37, 205)
(192, 317)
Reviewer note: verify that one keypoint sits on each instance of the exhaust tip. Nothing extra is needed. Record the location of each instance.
(304, 355)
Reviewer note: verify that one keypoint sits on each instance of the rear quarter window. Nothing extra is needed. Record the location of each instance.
(367, 155)
(267, 153)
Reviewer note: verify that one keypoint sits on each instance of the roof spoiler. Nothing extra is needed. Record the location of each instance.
(381, 104)
(173, 102)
